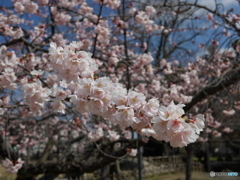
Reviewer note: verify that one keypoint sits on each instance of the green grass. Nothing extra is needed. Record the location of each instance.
(211, 159)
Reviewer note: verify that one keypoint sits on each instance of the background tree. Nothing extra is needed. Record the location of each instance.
(56, 101)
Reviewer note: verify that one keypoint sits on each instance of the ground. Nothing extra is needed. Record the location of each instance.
(5, 175)
(175, 176)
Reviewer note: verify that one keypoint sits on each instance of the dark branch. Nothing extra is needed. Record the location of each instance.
(80, 167)
(228, 79)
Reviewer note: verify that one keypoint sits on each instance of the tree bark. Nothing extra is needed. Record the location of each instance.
(189, 152)
(47, 149)
(207, 158)
(140, 163)
(118, 169)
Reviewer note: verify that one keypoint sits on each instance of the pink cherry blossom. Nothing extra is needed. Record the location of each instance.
(12, 166)
(151, 108)
(150, 10)
(214, 124)
(172, 111)
(147, 132)
(198, 123)
(235, 18)
(7, 79)
(35, 96)
(216, 133)
(19, 7)
(113, 3)
(113, 135)
(132, 152)
(31, 7)
(228, 112)
(227, 130)
(143, 18)
(209, 16)
(62, 18)
(43, 2)
(124, 116)
(135, 99)
(182, 138)
(95, 135)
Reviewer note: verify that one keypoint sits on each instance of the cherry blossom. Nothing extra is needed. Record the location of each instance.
(170, 112)
(210, 16)
(227, 130)
(132, 152)
(113, 135)
(228, 112)
(12, 166)
(35, 95)
(95, 135)
(106, 68)
(201, 139)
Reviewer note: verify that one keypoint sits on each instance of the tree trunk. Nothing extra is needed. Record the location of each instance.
(206, 158)
(189, 151)
(104, 173)
(140, 163)
(118, 169)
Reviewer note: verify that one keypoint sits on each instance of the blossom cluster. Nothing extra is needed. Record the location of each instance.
(6, 29)
(35, 95)
(26, 6)
(114, 4)
(72, 63)
(170, 126)
(113, 102)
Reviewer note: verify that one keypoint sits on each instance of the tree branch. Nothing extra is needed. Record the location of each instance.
(231, 77)
(73, 167)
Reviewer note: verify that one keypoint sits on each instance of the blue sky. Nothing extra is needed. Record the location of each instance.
(226, 3)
